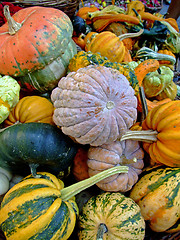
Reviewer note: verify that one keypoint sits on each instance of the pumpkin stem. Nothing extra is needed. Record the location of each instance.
(101, 230)
(69, 192)
(12, 24)
(144, 136)
(130, 35)
(33, 167)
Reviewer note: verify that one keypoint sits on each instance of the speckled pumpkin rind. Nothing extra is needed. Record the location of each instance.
(120, 214)
(43, 37)
(95, 105)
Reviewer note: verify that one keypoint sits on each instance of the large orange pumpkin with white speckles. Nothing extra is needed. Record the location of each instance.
(95, 105)
(36, 46)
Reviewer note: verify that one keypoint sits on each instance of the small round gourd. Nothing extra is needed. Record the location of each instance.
(158, 195)
(111, 216)
(31, 109)
(95, 105)
(127, 153)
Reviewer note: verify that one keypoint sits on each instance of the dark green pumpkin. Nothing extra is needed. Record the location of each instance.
(37, 46)
(35, 144)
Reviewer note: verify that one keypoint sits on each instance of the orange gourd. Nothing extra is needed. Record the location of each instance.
(161, 138)
(31, 109)
(83, 13)
(168, 52)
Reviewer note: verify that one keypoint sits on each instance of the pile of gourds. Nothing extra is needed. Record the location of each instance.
(88, 102)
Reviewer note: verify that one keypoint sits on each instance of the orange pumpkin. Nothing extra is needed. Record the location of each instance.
(31, 109)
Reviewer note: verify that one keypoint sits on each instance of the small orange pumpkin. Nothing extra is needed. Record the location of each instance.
(31, 109)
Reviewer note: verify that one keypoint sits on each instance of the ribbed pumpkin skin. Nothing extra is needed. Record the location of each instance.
(33, 209)
(41, 41)
(116, 153)
(120, 214)
(108, 44)
(31, 109)
(158, 195)
(165, 120)
(95, 105)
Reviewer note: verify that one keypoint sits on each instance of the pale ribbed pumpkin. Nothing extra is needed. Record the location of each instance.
(127, 153)
(111, 216)
(31, 109)
(95, 105)
(158, 195)
(41, 208)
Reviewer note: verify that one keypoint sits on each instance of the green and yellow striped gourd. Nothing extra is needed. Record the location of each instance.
(83, 59)
(111, 216)
(40, 208)
(158, 194)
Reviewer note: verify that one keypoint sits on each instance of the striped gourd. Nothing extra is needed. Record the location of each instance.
(111, 216)
(40, 208)
(158, 195)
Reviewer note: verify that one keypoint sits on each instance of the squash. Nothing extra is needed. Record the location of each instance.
(5, 177)
(111, 216)
(83, 59)
(31, 109)
(36, 46)
(109, 45)
(84, 11)
(35, 144)
(9, 95)
(41, 208)
(160, 134)
(159, 84)
(157, 194)
(167, 52)
(95, 105)
(128, 153)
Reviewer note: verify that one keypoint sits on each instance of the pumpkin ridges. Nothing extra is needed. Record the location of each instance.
(169, 121)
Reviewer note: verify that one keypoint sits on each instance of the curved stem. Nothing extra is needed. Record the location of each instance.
(12, 24)
(144, 136)
(130, 35)
(101, 230)
(69, 192)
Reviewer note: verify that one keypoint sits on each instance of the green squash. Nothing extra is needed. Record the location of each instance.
(158, 195)
(111, 216)
(35, 144)
(40, 208)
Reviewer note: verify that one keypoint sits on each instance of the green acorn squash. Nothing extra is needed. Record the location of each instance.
(41, 208)
(35, 144)
(158, 195)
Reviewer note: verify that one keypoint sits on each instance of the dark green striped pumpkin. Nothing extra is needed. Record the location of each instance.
(158, 194)
(111, 216)
(40, 208)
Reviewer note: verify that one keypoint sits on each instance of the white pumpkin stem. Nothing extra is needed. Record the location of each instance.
(130, 35)
(12, 24)
(69, 192)
(144, 136)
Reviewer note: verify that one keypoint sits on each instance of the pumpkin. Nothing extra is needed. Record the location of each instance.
(127, 153)
(111, 216)
(9, 95)
(160, 137)
(35, 144)
(109, 45)
(31, 109)
(80, 167)
(36, 46)
(51, 211)
(157, 194)
(83, 59)
(95, 105)
(5, 177)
